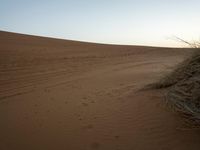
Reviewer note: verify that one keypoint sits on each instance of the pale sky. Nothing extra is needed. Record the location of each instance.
(132, 22)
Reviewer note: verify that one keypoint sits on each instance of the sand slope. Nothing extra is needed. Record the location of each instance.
(67, 95)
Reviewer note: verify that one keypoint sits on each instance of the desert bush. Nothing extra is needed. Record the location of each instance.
(183, 85)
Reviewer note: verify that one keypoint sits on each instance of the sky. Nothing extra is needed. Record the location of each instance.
(127, 22)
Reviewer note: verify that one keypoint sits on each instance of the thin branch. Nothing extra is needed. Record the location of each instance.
(194, 44)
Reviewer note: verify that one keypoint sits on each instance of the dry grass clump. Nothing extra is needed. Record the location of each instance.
(184, 88)
(183, 71)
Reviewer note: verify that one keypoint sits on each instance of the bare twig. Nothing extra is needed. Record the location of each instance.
(194, 44)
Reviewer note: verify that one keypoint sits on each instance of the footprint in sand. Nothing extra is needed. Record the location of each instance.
(93, 102)
(95, 145)
(36, 105)
(46, 90)
(85, 98)
(116, 136)
(88, 127)
(84, 104)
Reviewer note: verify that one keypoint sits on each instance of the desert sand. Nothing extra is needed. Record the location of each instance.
(68, 95)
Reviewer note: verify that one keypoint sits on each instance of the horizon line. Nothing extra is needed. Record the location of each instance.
(89, 42)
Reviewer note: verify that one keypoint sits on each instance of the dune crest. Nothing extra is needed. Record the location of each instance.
(59, 94)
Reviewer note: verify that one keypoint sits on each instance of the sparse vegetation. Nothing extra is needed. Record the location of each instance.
(184, 88)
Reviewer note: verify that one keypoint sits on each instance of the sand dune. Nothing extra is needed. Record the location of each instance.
(67, 95)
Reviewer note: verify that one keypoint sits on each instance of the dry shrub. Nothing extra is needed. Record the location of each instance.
(184, 88)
